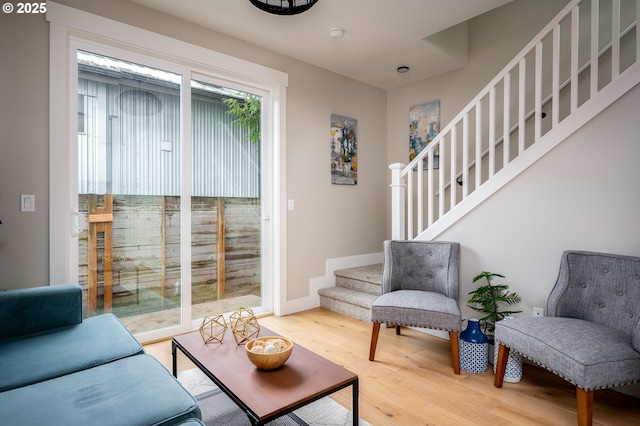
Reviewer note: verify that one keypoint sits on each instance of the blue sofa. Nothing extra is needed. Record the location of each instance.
(58, 369)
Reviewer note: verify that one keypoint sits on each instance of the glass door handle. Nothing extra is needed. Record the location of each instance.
(78, 223)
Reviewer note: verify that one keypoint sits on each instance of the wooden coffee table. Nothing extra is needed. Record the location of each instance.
(265, 395)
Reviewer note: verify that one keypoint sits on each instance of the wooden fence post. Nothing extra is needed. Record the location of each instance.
(221, 250)
(100, 221)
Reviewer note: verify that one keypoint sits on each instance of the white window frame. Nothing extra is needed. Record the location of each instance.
(71, 28)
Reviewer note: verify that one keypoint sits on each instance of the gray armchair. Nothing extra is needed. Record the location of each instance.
(591, 336)
(419, 289)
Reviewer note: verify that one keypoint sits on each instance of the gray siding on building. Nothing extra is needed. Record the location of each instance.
(129, 141)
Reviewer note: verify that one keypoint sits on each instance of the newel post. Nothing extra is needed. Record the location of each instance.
(398, 190)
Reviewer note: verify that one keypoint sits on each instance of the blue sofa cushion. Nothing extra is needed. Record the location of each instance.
(136, 390)
(36, 357)
(32, 310)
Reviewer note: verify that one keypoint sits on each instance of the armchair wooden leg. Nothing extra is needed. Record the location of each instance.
(455, 351)
(585, 407)
(501, 365)
(374, 340)
(397, 330)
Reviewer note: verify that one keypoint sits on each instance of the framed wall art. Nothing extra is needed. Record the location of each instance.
(424, 126)
(344, 150)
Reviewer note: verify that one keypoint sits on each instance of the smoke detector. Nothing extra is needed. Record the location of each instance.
(336, 33)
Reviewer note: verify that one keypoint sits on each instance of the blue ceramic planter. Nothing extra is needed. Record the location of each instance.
(474, 348)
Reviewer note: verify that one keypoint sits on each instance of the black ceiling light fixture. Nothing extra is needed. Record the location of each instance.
(284, 7)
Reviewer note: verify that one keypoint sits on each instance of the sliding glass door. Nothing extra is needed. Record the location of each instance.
(169, 186)
(164, 204)
(226, 203)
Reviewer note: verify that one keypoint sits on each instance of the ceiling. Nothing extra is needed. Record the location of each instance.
(428, 36)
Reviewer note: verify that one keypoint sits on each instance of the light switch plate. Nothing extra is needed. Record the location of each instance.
(27, 203)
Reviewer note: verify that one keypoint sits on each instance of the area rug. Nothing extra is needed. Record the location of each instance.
(218, 409)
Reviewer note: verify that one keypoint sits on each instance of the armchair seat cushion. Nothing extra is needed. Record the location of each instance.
(594, 357)
(417, 308)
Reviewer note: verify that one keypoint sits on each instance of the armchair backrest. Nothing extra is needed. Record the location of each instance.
(599, 287)
(421, 265)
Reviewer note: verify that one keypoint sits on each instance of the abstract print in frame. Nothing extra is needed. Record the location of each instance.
(344, 148)
(424, 126)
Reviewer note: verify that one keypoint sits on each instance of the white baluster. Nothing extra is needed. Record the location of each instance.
(398, 190)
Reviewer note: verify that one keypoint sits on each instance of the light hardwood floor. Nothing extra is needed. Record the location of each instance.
(411, 382)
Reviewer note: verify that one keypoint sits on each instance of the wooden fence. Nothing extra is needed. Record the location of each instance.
(146, 255)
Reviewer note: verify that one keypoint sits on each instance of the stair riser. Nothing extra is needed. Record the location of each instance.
(357, 312)
(357, 285)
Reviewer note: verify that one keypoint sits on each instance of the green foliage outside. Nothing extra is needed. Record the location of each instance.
(246, 114)
(488, 298)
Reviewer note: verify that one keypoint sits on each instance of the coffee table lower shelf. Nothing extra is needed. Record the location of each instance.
(266, 395)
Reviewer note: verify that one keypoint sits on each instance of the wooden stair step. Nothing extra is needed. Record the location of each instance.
(366, 279)
(355, 304)
(355, 290)
(367, 273)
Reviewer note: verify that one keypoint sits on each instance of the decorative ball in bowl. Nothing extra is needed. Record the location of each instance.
(269, 352)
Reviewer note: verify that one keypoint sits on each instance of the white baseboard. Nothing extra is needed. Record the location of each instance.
(328, 280)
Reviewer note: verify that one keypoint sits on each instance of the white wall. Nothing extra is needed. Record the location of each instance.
(24, 149)
(331, 221)
(582, 195)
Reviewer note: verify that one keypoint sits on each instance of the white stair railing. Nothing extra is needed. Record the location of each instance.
(582, 61)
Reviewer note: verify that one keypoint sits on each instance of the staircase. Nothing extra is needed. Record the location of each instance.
(584, 60)
(581, 62)
(355, 290)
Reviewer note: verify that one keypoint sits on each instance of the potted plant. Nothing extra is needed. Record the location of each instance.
(488, 300)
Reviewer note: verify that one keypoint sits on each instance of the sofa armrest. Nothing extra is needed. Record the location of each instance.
(32, 310)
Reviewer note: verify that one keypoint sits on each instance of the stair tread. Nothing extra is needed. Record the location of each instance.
(367, 273)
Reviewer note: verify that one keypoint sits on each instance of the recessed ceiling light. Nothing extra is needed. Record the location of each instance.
(402, 69)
